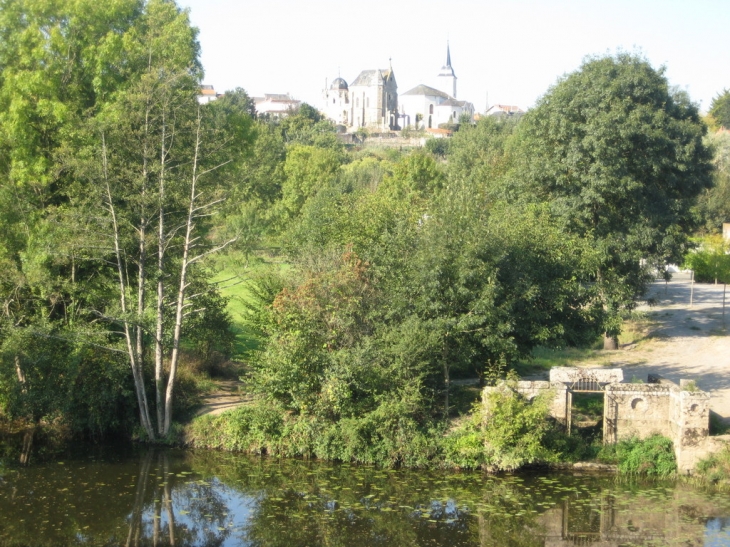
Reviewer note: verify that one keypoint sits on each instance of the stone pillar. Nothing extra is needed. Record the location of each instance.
(692, 425)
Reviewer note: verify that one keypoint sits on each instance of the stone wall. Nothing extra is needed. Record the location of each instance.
(636, 410)
(679, 412)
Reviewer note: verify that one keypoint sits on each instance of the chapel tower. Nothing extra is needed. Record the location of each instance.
(447, 78)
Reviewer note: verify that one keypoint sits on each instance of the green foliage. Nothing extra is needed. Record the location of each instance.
(438, 147)
(65, 376)
(515, 428)
(479, 155)
(710, 260)
(619, 157)
(307, 169)
(504, 433)
(720, 109)
(715, 468)
(713, 205)
(88, 92)
(653, 456)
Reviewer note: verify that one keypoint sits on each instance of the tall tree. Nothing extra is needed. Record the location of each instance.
(720, 109)
(619, 157)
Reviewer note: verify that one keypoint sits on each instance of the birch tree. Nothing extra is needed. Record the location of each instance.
(161, 157)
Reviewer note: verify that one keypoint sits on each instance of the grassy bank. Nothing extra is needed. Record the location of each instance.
(513, 433)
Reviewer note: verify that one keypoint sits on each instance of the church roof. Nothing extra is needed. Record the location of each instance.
(427, 91)
(338, 83)
(452, 102)
(447, 69)
(372, 77)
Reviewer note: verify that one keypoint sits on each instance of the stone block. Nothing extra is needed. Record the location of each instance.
(570, 375)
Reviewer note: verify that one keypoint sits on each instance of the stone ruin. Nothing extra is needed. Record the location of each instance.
(679, 412)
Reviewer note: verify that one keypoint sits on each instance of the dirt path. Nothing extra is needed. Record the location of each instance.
(683, 341)
(687, 342)
(227, 396)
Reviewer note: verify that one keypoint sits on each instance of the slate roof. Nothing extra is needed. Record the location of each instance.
(452, 102)
(372, 77)
(427, 90)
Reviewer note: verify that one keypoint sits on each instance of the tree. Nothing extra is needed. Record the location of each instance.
(58, 62)
(720, 109)
(307, 169)
(619, 157)
(713, 205)
(711, 261)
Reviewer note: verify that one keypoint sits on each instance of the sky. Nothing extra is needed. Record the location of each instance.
(507, 52)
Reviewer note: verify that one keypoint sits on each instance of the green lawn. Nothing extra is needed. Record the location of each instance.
(233, 276)
(634, 331)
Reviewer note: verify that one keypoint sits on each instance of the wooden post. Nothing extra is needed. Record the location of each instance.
(692, 288)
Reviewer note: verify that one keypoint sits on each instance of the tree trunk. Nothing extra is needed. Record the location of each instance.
(160, 286)
(447, 380)
(133, 360)
(610, 342)
(180, 301)
(19, 372)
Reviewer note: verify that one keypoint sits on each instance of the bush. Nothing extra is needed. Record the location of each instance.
(513, 434)
(653, 456)
(716, 468)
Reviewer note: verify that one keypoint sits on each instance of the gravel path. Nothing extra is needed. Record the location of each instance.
(685, 341)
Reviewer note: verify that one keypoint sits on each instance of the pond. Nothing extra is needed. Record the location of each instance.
(136, 496)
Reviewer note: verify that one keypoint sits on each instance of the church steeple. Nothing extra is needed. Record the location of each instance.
(447, 77)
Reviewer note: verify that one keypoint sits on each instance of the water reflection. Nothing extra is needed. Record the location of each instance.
(171, 497)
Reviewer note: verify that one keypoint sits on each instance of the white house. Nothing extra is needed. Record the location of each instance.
(276, 105)
(207, 94)
(504, 110)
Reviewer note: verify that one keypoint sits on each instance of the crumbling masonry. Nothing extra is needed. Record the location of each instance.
(679, 412)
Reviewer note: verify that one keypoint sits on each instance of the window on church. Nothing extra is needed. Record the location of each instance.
(430, 109)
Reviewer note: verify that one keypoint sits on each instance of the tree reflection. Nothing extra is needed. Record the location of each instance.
(158, 492)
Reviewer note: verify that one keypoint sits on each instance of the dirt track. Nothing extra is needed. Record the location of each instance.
(226, 397)
(683, 341)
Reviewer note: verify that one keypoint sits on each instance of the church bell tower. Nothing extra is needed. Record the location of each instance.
(447, 78)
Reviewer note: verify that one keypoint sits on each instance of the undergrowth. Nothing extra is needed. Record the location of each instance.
(716, 468)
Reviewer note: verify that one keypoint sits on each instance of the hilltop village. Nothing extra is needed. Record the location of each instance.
(372, 101)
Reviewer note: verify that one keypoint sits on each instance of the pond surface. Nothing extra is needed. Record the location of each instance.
(134, 496)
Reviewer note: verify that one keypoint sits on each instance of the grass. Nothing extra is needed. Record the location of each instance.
(587, 406)
(233, 275)
(635, 330)
(716, 468)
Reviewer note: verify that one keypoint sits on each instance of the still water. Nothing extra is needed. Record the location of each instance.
(134, 496)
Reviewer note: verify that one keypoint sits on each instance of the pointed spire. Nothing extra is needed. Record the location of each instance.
(448, 54)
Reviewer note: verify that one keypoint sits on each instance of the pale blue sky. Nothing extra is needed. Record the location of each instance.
(511, 50)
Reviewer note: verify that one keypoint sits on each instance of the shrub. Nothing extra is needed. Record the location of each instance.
(716, 468)
(653, 456)
(512, 435)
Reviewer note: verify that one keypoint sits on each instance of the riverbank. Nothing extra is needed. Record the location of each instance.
(146, 495)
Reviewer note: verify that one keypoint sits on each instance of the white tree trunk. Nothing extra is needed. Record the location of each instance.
(133, 361)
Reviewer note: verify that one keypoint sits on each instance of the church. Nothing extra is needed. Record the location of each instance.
(426, 107)
(372, 101)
